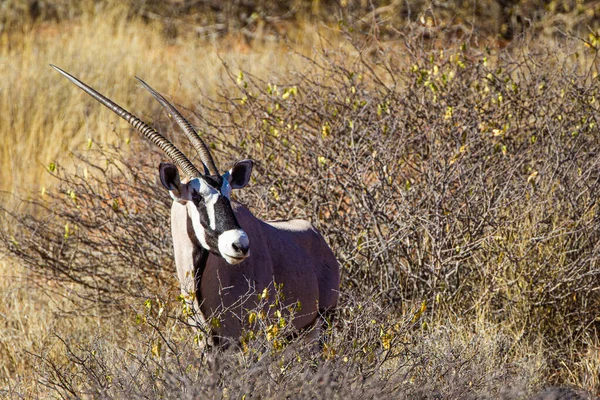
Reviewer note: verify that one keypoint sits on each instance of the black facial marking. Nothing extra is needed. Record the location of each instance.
(216, 181)
(198, 201)
(226, 220)
(197, 198)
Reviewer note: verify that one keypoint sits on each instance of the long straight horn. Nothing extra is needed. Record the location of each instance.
(187, 128)
(163, 143)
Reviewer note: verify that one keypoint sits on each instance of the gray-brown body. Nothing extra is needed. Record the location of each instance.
(292, 253)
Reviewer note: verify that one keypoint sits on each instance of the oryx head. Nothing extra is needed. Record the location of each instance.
(205, 195)
(208, 203)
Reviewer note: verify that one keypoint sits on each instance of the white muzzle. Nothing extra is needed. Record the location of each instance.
(234, 246)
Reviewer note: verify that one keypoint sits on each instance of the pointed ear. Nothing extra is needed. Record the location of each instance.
(239, 175)
(169, 177)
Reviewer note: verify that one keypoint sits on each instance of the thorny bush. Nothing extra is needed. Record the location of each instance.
(460, 180)
(363, 359)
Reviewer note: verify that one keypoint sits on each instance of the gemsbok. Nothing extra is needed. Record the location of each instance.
(225, 255)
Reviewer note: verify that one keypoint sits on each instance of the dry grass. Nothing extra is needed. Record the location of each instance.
(458, 189)
(44, 117)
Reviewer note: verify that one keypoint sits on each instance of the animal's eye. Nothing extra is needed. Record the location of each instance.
(196, 198)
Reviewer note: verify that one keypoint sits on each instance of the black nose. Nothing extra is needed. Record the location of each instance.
(240, 248)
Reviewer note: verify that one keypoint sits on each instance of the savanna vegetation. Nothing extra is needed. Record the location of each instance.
(448, 152)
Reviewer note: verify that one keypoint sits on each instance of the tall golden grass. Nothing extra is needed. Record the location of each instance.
(44, 116)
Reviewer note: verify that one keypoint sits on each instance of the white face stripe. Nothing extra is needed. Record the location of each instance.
(210, 202)
(198, 229)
